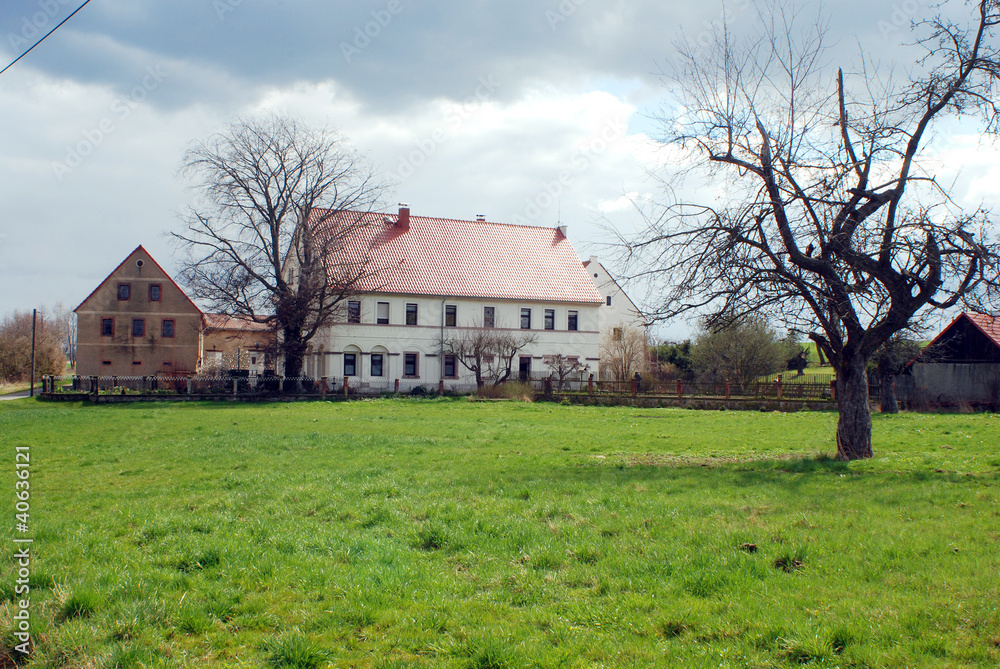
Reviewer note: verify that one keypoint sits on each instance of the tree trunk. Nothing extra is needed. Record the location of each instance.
(854, 428)
(294, 352)
(888, 402)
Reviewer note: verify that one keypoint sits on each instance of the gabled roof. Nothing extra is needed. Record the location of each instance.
(454, 258)
(241, 323)
(638, 311)
(988, 325)
(138, 249)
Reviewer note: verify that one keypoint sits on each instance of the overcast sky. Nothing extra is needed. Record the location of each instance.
(472, 107)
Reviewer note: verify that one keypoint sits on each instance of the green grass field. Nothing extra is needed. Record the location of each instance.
(446, 533)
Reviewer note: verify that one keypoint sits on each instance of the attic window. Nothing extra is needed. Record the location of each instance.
(354, 311)
(124, 291)
(608, 300)
(154, 292)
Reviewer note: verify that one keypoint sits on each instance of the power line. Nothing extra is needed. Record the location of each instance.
(44, 36)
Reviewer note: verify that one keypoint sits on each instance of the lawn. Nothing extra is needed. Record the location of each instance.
(446, 533)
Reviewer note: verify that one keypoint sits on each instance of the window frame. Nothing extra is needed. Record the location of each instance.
(607, 301)
(127, 291)
(549, 322)
(450, 315)
(163, 328)
(411, 311)
(354, 311)
(450, 359)
(381, 320)
(525, 318)
(381, 365)
(573, 321)
(416, 365)
(489, 317)
(112, 322)
(159, 292)
(141, 323)
(353, 356)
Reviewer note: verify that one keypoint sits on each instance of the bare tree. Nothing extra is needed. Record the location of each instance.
(829, 222)
(280, 205)
(890, 360)
(624, 351)
(15, 347)
(740, 353)
(67, 328)
(487, 352)
(564, 368)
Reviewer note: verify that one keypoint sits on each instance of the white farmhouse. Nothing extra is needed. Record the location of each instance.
(435, 276)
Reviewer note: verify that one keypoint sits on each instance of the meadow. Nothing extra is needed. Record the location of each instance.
(448, 533)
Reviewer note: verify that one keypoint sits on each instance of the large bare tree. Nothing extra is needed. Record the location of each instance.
(826, 216)
(275, 231)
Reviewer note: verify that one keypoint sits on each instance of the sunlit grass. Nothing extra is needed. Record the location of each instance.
(402, 533)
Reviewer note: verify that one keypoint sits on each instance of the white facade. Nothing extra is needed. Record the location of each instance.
(618, 309)
(373, 354)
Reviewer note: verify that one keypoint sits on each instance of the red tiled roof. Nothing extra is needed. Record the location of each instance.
(989, 325)
(446, 257)
(225, 322)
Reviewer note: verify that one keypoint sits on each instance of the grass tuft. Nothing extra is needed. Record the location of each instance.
(80, 604)
(295, 651)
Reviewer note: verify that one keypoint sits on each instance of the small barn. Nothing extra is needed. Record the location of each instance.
(960, 366)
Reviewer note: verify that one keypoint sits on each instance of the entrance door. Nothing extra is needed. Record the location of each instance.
(524, 368)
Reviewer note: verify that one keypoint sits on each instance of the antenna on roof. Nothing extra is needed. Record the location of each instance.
(559, 211)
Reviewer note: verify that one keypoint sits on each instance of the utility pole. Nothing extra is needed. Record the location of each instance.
(34, 315)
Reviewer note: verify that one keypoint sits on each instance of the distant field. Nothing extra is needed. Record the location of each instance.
(445, 533)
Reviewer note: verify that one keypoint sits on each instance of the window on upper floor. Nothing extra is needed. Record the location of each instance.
(124, 291)
(353, 311)
(107, 327)
(572, 321)
(525, 319)
(167, 328)
(411, 314)
(154, 292)
(489, 317)
(138, 327)
(608, 300)
(550, 319)
(382, 313)
(450, 315)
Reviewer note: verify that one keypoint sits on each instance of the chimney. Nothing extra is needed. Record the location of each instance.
(403, 222)
(562, 230)
(480, 218)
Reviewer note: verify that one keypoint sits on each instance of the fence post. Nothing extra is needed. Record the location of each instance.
(347, 386)
(833, 390)
(114, 382)
(590, 385)
(95, 386)
(396, 390)
(76, 382)
(635, 387)
(323, 386)
(189, 385)
(234, 387)
(281, 384)
(441, 388)
(779, 382)
(680, 388)
(728, 390)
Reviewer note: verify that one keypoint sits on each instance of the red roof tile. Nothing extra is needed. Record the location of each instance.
(241, 323)
(989, 325)
(446, 257)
